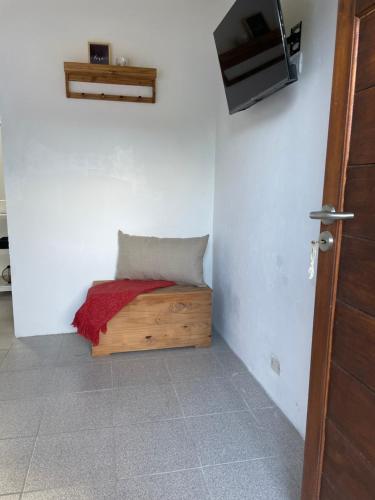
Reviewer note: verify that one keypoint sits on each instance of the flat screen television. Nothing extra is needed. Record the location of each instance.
(253, 52)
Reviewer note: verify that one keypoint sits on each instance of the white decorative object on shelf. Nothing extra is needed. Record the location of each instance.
(122, 61)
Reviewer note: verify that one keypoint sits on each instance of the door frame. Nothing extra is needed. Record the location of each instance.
(327, 276)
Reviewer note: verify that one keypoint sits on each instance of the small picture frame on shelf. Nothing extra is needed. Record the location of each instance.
(99, 53)
(256, 25)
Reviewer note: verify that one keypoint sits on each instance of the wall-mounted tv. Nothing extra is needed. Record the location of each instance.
(253, 52)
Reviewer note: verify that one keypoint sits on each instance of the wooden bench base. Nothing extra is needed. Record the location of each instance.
(178, 316)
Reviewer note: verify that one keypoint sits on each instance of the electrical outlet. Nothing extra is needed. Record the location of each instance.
(275, 365)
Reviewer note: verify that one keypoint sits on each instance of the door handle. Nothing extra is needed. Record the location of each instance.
(328, 215)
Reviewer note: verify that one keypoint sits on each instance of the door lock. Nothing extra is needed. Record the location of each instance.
(326, 241)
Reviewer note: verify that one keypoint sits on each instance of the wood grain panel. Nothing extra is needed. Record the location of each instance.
(357, 274)
(157, 338)
(362, 147)
(327, 492)
(108, 79)
(352, 476)
(337, 150)
(108, 74)
(134, 71)
(362, 5)
(147, 313)
(354, 343)
(178, 316)
(170, 291)
(360, 199)
(348, 476)
(351, 405)
(366, 53)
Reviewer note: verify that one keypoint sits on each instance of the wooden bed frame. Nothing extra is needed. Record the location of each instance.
(177, 316)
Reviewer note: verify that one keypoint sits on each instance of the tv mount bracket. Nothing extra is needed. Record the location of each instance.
(294, 39)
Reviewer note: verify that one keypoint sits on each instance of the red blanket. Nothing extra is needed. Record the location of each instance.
(105, 300)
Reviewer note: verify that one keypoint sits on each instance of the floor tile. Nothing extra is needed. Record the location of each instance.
(264, 479)
(6, 321)
(26, 384)
(284, 438)
(153, 447)
(281, 433)
(22, 357)
(139, 372)
(145, 403)
(129, 356)
(84, 377)
(46, 341)
(74, 350)
(3, 353)
(14, 460)
(196, 366)
(183, 485)
(231, 364)
(228, 437)
(294, 464)
(218, 343)
(185, 351)
(252, 392)
(20, 418)
(6, 340)
(7, 335)
(212, 395)
(64, 459)
(77, 411)
(76, 492)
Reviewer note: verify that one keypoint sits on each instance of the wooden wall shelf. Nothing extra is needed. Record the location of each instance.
(113, 75)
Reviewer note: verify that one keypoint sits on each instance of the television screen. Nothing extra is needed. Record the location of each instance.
(253, 52)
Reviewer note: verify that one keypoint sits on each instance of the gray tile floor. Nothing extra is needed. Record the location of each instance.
(162, 425)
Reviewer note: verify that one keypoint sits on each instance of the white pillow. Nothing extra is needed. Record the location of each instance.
(172, 259)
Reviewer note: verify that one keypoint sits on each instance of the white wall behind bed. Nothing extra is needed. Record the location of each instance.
(77, 171)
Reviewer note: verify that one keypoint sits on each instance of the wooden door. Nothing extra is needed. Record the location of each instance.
(340, 439)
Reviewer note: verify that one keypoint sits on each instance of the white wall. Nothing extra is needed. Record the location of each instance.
(3, 220)
(2, 187)
(4, 255)
(269, 174)
(77, 171)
